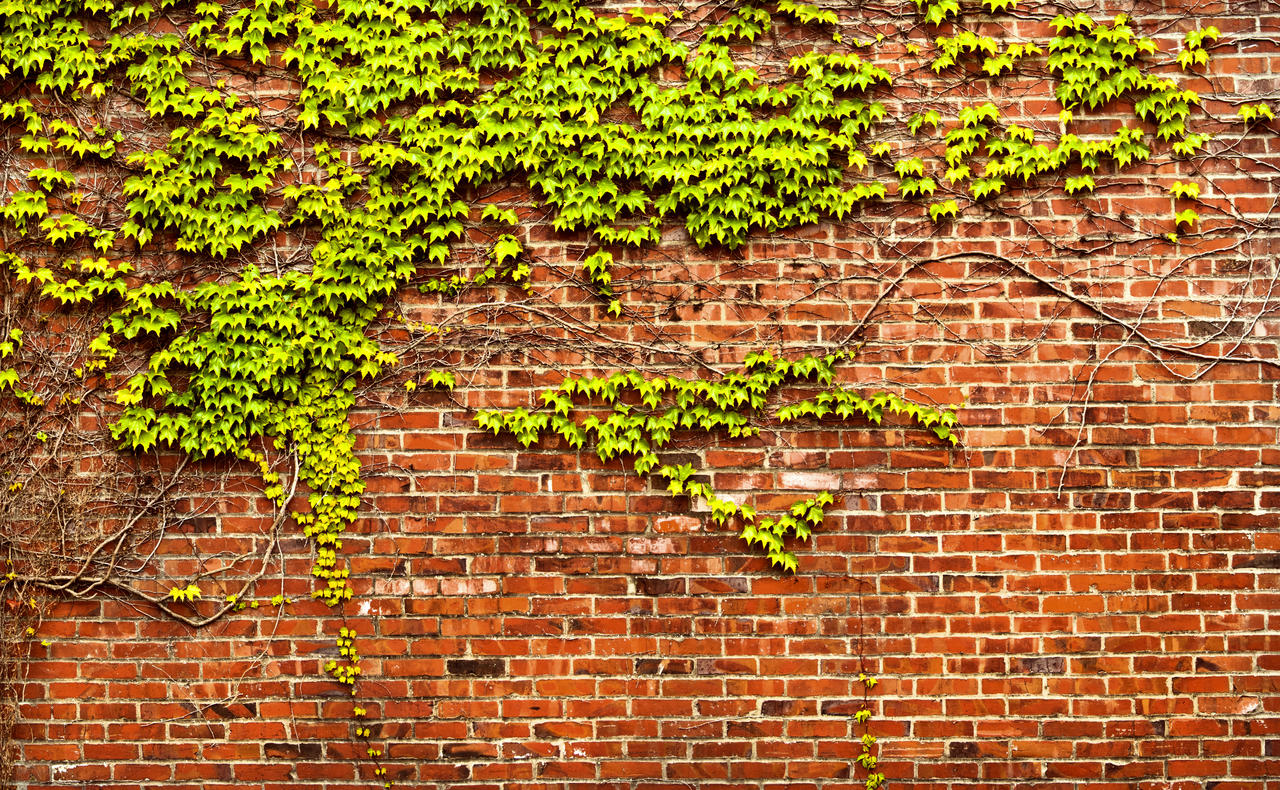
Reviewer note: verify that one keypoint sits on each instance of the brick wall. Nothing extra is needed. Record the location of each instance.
(1083, 595)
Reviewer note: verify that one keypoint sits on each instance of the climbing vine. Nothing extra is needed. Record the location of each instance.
(149, 184)
(667, 405)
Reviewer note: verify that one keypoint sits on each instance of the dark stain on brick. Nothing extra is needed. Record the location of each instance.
(239, 710)
(649, 585)
(962, 749)
(477, 667)
(1041, 665)
(292, 751)
(663, 666)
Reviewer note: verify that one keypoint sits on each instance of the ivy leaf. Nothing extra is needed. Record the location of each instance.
(1077, 184)
(1255, 112)
(985, 187)
(505, 249)
(493, 212)
(947, 208)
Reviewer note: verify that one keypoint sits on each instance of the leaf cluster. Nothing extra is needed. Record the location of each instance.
(638, 418)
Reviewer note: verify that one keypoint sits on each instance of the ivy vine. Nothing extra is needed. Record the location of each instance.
(645, 413)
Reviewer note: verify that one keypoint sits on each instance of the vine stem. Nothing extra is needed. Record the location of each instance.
(1134, 330)
(66, 583)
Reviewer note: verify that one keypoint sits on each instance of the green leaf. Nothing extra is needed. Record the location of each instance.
(1077, 184)
(946, 208)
